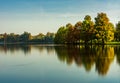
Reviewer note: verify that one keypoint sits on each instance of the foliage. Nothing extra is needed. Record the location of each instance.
(26, 38)
(87, 30)
(70, 33)
(104, 29)
(77, 28)
(117, 32)
(60, 36)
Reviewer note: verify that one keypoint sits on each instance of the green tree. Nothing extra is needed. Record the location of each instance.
(25, 37)
(76, 31)
(12, 37)
(87, 30)
(104, 29)
(60, 36)
(49, 37)
(38, 38)
(117, 32)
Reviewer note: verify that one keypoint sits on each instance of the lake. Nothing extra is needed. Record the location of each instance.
(59, 64)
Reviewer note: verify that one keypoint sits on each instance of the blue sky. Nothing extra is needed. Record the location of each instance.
(37, 16)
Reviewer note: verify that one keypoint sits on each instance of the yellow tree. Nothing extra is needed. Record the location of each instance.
(104, 29)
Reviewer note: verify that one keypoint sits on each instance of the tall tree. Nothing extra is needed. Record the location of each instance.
(49, 37)
(25, 37)
(60, 36)
(87, 29)
(5, 37)
(70, 36)
(77, 28)
(104, 29)
(117, 32)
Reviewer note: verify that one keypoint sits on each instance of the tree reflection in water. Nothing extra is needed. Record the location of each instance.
(117, 53)
(87, 56)
(14, 48)
(105, 56)
(101, 56)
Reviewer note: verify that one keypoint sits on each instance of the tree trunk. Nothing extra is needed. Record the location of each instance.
(103, 42)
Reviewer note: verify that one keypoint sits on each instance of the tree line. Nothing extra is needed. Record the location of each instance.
(87, 32)
(26, 38)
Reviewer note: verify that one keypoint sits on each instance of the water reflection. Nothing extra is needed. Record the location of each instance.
(14, 48)
(87, 56)
(117, 53)
(83, 56)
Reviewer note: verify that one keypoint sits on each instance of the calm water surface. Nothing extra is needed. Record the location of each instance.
(59, 64)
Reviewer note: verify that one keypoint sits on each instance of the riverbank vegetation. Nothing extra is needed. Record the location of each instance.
(99, 31)
(26, 38)
(88, 31)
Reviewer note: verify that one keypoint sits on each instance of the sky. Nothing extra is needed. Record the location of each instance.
(42, 16)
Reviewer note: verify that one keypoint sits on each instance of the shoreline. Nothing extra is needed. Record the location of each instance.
(52, 43)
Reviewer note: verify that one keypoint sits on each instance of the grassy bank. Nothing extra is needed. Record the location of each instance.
(112, 43)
